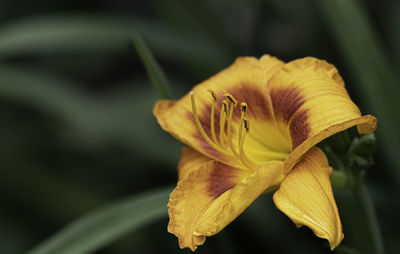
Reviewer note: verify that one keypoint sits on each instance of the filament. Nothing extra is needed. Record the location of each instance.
(243, 156)
(232, 106)
(222, 119)
(243, 107)
(200, 127)
(214, 137)
(225, 142)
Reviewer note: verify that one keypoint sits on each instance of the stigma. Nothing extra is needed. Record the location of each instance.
(224, 143)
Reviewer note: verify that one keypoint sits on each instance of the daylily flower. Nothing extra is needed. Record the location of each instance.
(250, 129)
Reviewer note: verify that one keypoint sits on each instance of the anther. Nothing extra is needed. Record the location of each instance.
(225, 104)
(230, 97)
(214, 95)
(246, 124)
(243, 106)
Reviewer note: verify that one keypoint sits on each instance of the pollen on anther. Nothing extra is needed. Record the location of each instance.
(225, 106)
(213, 94)
(230, 97)
(246, 124)
(243, 106)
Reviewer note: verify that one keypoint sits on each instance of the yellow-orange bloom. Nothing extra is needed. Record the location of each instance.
(251, 129)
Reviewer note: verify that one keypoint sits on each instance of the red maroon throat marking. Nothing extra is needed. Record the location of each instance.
(286, 103)
(220, 180)
(256, 99)
(299, 128)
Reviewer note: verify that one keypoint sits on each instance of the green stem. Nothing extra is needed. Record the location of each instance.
(361, 193)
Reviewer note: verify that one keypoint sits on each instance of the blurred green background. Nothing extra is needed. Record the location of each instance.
(78, 134)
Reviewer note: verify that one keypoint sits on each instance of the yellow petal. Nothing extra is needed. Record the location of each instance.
(212, 196)
(246, 81)
(232, 203)
(365, 124)
(311, 103)
(190, 161)
(194, 195)
(305, 196)
(270, 65)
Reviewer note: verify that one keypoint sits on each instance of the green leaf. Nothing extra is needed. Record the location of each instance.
(377, 82)
(54, 197)
(124, 117)
(154, 71)
(102, 33)
(99, 228)
(42, 90)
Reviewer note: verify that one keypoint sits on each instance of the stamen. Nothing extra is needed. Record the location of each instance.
(214, 137)
(200, 127)
(226, 115)
(214, 95)
(222, 119)
(243, 109)
(243, 156)
(243, 106)
(225, 107)
(230, 97)
(246, 125)
(232, 106)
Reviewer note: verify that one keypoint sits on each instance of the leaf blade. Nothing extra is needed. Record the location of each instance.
(156, 74)
(101, 227)
(102, 33)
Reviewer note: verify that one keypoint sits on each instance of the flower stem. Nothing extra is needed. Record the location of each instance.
(360, 192)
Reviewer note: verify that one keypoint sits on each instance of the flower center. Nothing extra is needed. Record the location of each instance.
(225, 144)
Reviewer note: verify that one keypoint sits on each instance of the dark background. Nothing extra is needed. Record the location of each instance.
(77, 130)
